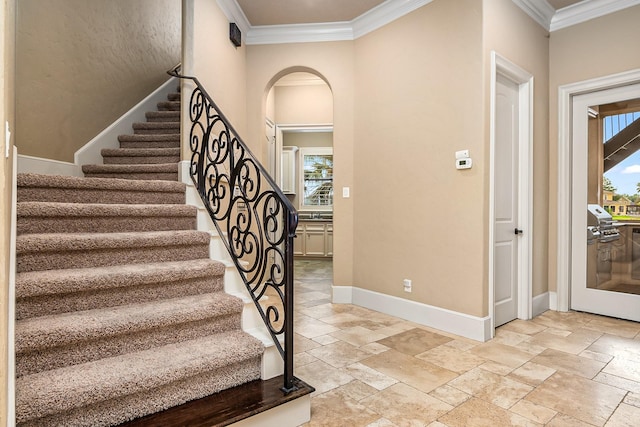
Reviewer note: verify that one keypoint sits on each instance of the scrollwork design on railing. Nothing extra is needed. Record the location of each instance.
(255, 219)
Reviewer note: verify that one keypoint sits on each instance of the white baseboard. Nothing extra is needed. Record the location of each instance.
(540, 304)
(476, 328)
(30, 164)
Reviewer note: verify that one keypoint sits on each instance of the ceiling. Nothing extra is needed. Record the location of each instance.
(283, 12)
(278, 12)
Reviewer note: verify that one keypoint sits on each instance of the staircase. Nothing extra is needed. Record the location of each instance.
(121, 312)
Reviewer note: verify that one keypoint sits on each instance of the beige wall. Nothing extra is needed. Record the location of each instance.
(308, 139)
(419, 99)
(335, 63)
(519, 39)
(7, 76)
(303, 104)
(82, 64)
(600, 47)
(218, 64)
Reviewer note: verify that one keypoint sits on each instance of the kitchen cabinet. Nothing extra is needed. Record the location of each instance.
(313, 239)
(288, 169)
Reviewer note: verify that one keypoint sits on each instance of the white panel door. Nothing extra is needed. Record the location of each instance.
(506, 174)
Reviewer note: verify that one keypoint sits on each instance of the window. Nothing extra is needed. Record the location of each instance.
(317, 178)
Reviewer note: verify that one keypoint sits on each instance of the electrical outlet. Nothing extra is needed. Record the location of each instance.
(407, 285)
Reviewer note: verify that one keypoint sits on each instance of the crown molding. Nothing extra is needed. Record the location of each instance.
(369, 21)
(383, 14)
(540, 10)
(234, 13)
(587, 10)
(299, 33)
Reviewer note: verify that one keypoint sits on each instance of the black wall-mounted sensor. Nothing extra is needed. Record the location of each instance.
(235, 35)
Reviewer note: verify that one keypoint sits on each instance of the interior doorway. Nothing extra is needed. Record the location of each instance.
(299, 117)
(511, 194)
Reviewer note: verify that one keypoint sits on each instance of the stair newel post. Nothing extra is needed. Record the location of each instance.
(291, 223)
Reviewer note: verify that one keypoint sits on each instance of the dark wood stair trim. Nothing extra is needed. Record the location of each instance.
(226, 407)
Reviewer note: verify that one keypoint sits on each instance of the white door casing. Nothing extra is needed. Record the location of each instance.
(616, 304)
(566, 93)
(519, 266)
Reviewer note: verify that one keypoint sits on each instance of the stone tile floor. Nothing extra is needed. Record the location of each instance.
(371, 369)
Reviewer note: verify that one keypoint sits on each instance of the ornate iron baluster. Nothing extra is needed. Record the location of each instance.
(255, 219)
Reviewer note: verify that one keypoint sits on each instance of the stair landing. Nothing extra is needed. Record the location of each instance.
(229, 406)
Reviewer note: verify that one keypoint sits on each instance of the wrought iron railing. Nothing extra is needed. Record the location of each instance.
(255, 219)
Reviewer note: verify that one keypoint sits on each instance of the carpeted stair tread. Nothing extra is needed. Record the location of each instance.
(144, 378)
(56, 217)
(43, 293)
(60, 181)
(49, 331)
(51, 342)
(156, 127)
(163, 116)
(141, 152)
(58, 188)
(149, 141)
(172, 137)
(175, 96)
(88, 241)
(162, 167)
(80, 250)
(140, 155)
(52, 282)
(160, 171)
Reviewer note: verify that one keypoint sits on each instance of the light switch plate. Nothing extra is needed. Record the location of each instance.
(345, 192)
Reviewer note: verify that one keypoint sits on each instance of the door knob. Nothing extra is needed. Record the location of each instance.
(517, 231)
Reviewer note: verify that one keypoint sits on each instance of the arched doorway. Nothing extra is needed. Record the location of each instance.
(299, 155)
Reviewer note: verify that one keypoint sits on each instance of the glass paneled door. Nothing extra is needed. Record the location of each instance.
(606, 203)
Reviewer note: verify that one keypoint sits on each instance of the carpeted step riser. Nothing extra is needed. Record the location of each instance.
(62, 195)
(162, 116)
(134, 176)
(77, 389)
(121, 409)
(150, 144)
(139, 160)
(147, 138)
(169, 106)
(46, 305)
(102, 257)
(160, 131)
(109, 224)
(39, 360)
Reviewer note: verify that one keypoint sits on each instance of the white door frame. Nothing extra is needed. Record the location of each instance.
(565, 130)
(524, 80)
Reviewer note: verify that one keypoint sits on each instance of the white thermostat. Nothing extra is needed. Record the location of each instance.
(463, 161)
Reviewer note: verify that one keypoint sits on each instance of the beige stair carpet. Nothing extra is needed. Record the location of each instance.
(120, 311)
